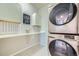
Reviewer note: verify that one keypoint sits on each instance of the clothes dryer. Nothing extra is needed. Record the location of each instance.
(63, 18)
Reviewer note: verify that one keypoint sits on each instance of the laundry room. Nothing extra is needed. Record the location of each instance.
(23, 29)
(39, 29)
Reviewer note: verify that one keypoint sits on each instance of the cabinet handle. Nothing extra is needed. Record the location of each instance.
(51, 37)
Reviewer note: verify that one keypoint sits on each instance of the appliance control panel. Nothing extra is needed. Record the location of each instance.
(69, 36)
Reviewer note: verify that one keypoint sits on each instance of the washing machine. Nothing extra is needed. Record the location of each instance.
(63, 45)
(63, 18)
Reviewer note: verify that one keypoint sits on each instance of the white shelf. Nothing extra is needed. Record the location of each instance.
(19, 34)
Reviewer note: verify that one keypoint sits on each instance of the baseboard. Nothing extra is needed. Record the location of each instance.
(13, 54)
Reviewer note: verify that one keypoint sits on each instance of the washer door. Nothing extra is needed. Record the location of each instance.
(61, 48)
(62, 13)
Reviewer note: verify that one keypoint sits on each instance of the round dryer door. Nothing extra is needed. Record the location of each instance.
(62, 13)
(61, 48)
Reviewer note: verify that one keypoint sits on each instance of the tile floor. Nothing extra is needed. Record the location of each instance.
(34, 51)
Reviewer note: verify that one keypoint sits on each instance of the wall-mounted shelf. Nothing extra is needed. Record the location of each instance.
(19, 34)
(9, 21)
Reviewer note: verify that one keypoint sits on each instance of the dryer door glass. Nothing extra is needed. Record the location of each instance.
(62, 13)
(61, 48)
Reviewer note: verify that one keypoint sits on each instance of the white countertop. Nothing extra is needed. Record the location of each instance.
(20, 34)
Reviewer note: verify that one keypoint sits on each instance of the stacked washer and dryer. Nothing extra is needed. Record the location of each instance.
(63, 38)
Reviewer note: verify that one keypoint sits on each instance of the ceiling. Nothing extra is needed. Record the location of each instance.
(39, 5)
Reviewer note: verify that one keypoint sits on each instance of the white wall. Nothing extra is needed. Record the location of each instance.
(10, 11)
(42, 19)
(13, 11)
(28, 9)
(14, 44)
